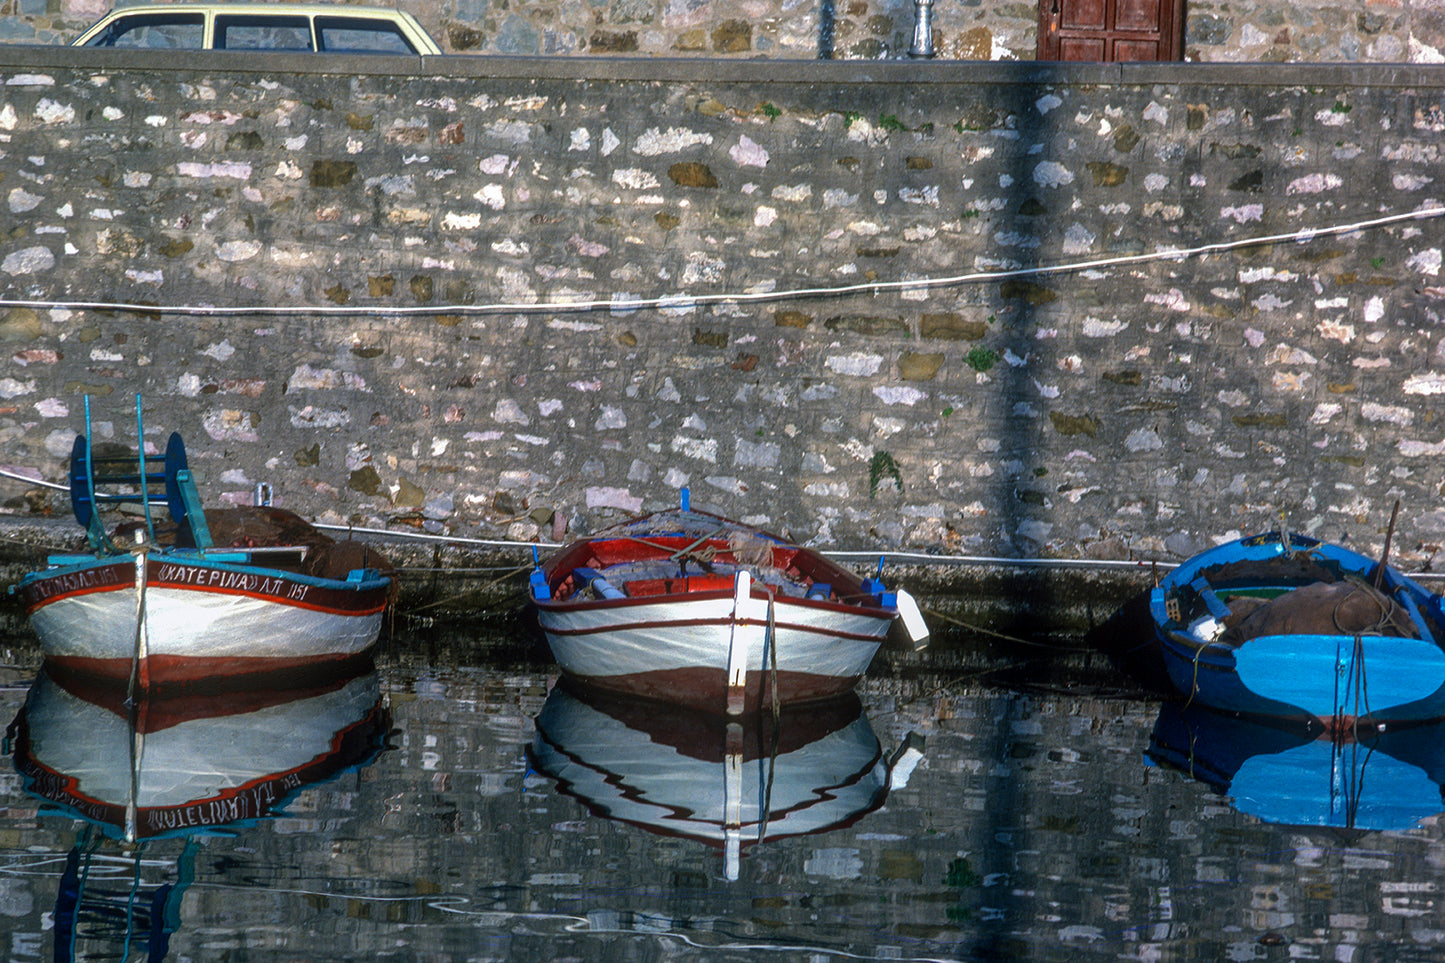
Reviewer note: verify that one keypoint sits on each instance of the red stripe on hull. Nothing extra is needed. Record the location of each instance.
(181, 674)
(706, 690)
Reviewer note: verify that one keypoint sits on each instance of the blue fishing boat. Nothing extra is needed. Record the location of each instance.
(1285, 627)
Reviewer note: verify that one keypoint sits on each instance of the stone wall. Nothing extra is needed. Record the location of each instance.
(380, 228)
(1253, 30)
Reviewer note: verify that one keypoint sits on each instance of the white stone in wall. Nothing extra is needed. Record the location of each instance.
(21, 200)
(1409, 182)
(1391, 414)
(891, 395)
(1285, 354)
(1426, 261)
(757, 455)
(748, 153)
(49, 112)
(11, 388)
(610, 418)
(28, 261)
(237, 251)
(635, 179)
(230, 425)
(507, 411)
(603, 497)
(857, 363)
(1431, 383)
(1052, 174)
(1143, 439)
(702, 449)
(655, 142)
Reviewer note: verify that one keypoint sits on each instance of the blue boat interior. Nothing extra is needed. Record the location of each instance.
(1309, 589)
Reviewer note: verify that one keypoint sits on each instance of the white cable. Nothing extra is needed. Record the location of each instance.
(40, 482)
(912, 558)
(690, 300)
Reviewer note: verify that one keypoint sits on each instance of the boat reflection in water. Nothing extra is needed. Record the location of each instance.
(1297, 776)
(172, 768)
(726, 782)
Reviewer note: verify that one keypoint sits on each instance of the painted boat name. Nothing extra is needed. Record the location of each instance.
(222, 579)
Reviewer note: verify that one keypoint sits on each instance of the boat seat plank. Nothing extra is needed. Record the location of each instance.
(643, 587)
(1211, 601)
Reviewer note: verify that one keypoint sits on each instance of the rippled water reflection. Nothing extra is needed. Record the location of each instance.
(1034, 827)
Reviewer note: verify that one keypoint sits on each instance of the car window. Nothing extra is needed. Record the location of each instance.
(354, 35)
(154, 31)
(262, 32)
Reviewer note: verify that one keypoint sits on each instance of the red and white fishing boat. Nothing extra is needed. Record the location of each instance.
(213, 599)
(691, 608)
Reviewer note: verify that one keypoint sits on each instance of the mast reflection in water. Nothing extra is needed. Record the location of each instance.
(168, 768)
(725, 783)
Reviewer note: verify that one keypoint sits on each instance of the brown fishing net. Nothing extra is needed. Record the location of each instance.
(1348, 607)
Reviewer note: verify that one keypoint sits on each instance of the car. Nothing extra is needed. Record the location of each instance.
(330, 28)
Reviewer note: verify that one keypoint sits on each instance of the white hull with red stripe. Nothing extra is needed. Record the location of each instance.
(193, 622)
(692, 609)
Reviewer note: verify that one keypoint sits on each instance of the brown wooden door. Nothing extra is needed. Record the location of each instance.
(1111, 30)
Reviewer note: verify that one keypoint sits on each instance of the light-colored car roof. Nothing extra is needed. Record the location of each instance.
(408, 24)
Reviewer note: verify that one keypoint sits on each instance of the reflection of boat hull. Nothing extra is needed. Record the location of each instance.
(696, 610)
(1368, 677)
(206, 623)
(729, 785)
(1292, 775)
(179, 768)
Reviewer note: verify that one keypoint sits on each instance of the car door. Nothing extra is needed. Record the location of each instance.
(246, 31)
(162, 30)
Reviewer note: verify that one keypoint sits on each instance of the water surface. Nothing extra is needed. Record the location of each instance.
(472, 811)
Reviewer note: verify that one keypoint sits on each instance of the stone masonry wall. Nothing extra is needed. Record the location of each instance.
(1305, 31)
(372, 216)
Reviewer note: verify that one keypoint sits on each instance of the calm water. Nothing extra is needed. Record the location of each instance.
(456, 806)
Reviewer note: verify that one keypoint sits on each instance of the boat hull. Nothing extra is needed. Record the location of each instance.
(1337, 681)
(190, 623)
(686, 650)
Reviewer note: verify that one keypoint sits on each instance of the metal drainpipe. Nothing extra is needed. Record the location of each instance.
(922, 47)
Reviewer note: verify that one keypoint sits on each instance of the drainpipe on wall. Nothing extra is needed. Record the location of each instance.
(922, 47)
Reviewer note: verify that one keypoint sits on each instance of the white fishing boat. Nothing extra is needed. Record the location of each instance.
(215, 599)
(690, 608)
